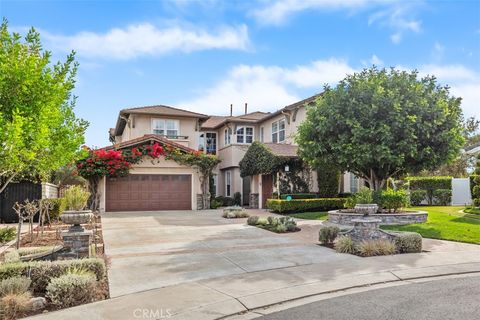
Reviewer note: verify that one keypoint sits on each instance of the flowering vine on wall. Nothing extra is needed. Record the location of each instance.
(117, 163)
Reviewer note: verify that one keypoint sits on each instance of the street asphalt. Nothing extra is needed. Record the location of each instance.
(457, 298)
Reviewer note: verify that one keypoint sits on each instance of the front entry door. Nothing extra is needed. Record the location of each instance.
(267, 189)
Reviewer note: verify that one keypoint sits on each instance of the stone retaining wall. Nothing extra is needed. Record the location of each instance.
(345, 218)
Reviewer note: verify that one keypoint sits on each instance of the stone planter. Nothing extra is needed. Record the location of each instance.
(366, 209)
(76, 219)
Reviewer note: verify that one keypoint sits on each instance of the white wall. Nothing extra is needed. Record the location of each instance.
(461, 191)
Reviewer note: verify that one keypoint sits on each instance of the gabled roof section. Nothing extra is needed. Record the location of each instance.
(291, 107)
(282, 149)
(163, 110)
(149, 138)
(214, 122)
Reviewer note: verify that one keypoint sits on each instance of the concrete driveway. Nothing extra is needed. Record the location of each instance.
(149, 250)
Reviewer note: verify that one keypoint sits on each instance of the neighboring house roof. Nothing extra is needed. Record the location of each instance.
(282, 149)
(473, 149)
(291, 107)
(149, 138)
(214, 122)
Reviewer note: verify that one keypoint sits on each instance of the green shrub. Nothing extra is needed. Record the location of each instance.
(76, 198)
(417, 196)
(327, 234)
(299, 196)
(7, 234)
(442, 197)
(58, 206)
(14, 306)
(377, 247)
(253, 220)
(226, 201)
(215, 204)
(430, 184)
(11, 256)
(394, 199)
(280, 228)
(408, 242)
(262, 222)
(344, 244)
(71, 290)
(14, 285)
(350, 202)
(328, 178)
(237, 199)
(320, 204)
(364, 196)
(41, 272)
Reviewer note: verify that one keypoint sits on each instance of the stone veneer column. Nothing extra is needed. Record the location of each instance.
(254, 200)
(77, 244)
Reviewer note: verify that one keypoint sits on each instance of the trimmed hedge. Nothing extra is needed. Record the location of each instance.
(299, 196)
(41, 272)
(303, 205)
(430, 184)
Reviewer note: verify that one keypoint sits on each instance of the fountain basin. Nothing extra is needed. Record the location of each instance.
(400, 218)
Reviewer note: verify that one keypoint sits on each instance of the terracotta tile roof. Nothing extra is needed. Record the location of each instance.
(147, 138)
(282, 149)
(163, 110)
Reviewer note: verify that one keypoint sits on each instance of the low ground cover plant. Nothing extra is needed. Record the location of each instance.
(376, 247)
(234, 212)
(328, 234)
(71, 289)
(274, 224)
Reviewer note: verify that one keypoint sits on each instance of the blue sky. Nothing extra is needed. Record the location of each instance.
(204, 55)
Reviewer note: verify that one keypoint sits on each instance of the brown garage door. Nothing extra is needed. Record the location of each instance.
(148, 192)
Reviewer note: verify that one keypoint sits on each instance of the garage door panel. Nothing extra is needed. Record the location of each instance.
(149, 192)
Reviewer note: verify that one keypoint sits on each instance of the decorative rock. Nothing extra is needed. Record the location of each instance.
(38, 303)
(346, 218)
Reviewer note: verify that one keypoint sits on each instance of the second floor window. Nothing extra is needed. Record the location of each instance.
(228, 136)
(244, 134)
(278, 131)
(166, 127)
(208, 142)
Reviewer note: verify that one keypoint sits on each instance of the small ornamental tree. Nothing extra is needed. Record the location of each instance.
(381, 123)
(476, 188)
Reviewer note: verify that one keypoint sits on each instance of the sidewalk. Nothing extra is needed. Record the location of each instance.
(223, 296)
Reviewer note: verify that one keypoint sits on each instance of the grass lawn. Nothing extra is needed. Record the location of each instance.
(473, 210)
(447, 223)
(320, 215)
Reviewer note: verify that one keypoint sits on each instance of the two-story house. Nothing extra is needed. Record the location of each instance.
(166, 185)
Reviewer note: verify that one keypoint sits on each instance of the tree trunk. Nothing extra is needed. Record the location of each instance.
(93, 187)
(9, 179)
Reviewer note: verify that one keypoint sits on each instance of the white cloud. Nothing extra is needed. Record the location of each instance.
(267, 88)
(397, 18)
(376, 61)
(148, 40)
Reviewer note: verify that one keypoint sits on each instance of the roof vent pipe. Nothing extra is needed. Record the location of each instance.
(246, 108)
(231, 109)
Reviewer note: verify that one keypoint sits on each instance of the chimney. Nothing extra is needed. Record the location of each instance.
(231, 109)
(246, 108)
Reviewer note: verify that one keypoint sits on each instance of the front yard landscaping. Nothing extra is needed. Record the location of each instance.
(274, 224)
(316, 215)
(446, 223)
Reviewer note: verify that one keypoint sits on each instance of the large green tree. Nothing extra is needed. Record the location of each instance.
(39, 131)
(382, 123)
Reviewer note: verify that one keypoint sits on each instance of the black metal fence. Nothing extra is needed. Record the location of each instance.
(17, 192)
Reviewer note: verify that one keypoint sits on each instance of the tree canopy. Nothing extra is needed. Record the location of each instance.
(382, 123)
(39, 131)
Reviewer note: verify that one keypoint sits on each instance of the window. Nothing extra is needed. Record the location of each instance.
(244, 134)
(228, 183)
(208, 142)
(278, 131)
(353, 183)
(261, 134)
(166, 127)
(228, 135)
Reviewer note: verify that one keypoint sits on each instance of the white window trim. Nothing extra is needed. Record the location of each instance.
(245, 134)
(228, 181)
(278, 130)
(177, 125)
(227, 139)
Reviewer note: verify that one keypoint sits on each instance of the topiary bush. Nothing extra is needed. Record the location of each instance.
(237, 199)
(417, 196)
(442, 197)
(7, 234)
(408, 242)
(71, 290)
(304, 205)
(394, 199)
(430, 184)
(344, 244)
(327, 234)
(253, 220)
